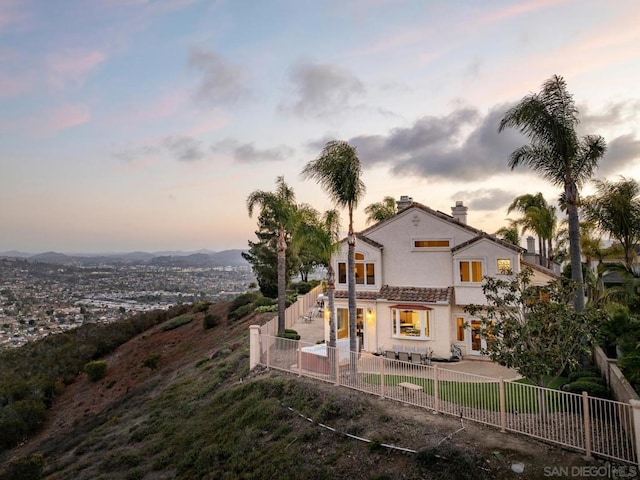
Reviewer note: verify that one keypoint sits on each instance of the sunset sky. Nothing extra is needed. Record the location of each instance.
(144, 125)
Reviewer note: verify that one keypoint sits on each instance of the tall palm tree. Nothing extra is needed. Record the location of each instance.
(540, 218)
(338, 170)
(549, 120)
(615, 209)
(281, 207)
(378, 211)
(321, 239)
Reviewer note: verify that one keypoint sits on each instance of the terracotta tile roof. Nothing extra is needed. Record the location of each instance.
(361, 295)
(403, 294)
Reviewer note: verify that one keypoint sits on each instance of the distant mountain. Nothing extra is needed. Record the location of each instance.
(225, 258)
(230, 257)
(53, 257)
(16, 254)
(199, 258)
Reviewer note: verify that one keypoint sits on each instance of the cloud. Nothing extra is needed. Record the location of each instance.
(221, 82)
(517, 9)
(621, 151)
(132, 155)
(321, 89)
(247, 153)
(12, 15)
(183, 148)
(72, 68)
(485, 199)
(461, 146)
(615, 113)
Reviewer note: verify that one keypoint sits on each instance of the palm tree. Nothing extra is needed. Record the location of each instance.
(549, 120)
(378, 211)
(540, 218)
(321, 239)
(338, 170)
(281, 207)
(510, 233)
(615, 210)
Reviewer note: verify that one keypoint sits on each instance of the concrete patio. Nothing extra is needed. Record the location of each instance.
(311, 330)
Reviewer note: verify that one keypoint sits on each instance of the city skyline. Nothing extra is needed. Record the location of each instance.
(133, 125)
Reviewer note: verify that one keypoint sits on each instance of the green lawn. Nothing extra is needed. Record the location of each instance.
(480, 395)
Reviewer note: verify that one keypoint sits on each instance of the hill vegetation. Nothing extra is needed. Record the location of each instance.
(177, 400)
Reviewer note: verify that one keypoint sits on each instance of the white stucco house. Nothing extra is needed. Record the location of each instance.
(415, 272)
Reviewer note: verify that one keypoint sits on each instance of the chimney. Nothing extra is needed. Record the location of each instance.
(459, 212)
(531, 245)
(404, 202)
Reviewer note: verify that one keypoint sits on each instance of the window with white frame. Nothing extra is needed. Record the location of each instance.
(410, 323)
(504, 266)
(471, 271)
(365, 271)
(429, 244)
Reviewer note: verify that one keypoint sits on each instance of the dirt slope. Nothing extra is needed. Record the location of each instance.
(120, 401)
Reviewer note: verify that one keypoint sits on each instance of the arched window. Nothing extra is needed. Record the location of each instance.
(365, 271)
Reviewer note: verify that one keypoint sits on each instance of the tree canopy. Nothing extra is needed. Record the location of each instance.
(557, 153)
(534, 329)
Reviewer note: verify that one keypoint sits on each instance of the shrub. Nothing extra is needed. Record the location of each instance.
(630, 365)
(265, 301)
(96, 370)
(32, 412)
(267, 308)
(151, 361)
(24, 468)
(573, 376)
(176, 322)
(593, 389)
(240, 312)
(290, 334)
(201, 307)
(303, 287)
(13, 428)
(244, 299)
(210, 320)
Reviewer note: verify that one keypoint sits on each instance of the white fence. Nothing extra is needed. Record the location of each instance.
(595, 426)
(292, 314)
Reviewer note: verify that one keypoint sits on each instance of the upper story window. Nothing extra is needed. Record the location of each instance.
(410, 324)
(504, 266)
(433, 243)
(470, 271)
(365, 271)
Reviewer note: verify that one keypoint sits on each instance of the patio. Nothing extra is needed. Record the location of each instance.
(311, 330)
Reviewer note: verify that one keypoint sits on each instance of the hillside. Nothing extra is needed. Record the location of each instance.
(201, 414)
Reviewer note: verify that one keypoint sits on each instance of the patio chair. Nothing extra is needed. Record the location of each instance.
(403, 356)
(390, 354)
(416, 356)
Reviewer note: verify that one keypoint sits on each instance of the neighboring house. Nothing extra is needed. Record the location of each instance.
(415, 272)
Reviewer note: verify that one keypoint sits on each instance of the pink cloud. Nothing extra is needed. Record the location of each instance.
(517, 9)
(163, 106)
(11, 86)
(48, 122)
(207, 125)
(66, 116)
(72, 67)
(12, 14)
